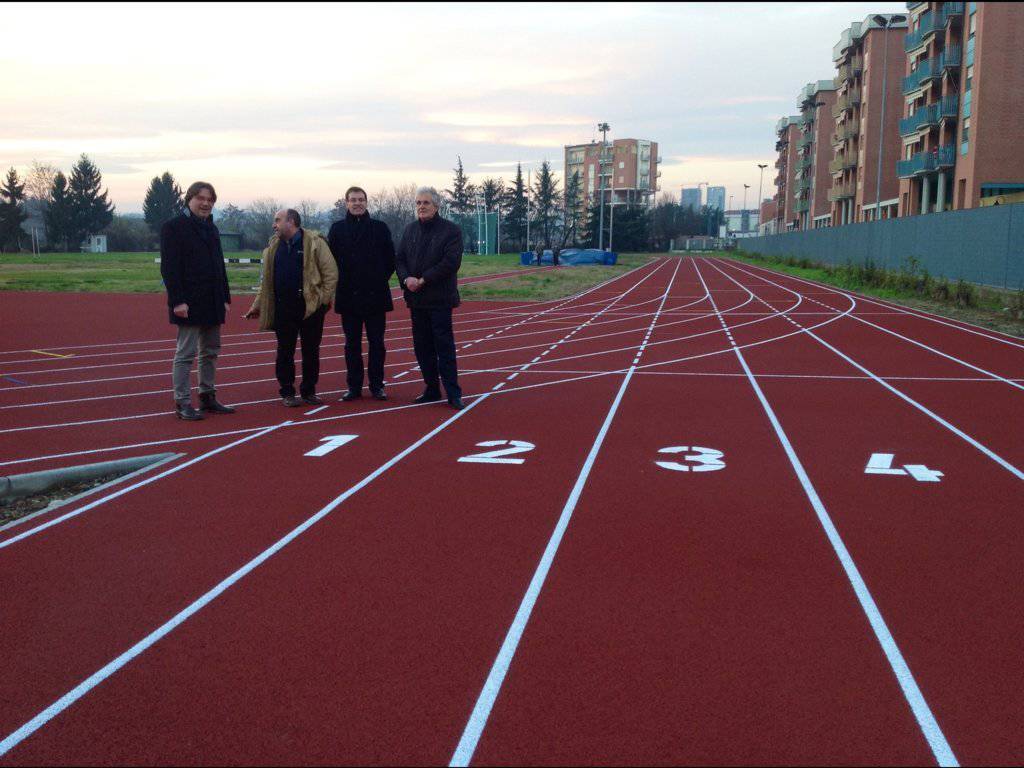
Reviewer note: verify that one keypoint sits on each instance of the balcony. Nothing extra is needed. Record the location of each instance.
(951, 57)
(949, 107)
(800, 206)
(805, 141)
(802, 185)
(845, 132)
(951, 11)
(926, 162)
(804, 163)
(930, 23)
(924, 117)
(841, 192)
(848, 100)
(843, 162)
(932, 68)
(849, 70)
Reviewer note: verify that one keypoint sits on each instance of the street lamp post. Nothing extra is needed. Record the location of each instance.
(885, 24)
(760, 185)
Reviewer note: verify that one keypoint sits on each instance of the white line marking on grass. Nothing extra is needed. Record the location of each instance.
(111, 668)
(492, 686)
(925, 719)
(140, 484)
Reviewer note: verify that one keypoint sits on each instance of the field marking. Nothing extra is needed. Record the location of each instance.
(920, 344)
(923, 314)
(121, 492)
(907, 398)
(113, 666)
(51, 354)
(912, 693)
(474, 728)
(315, 410)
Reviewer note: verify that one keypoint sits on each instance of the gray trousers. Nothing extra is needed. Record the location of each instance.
(204, 339)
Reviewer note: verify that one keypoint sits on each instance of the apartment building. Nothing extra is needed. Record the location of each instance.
(787, 132)
(716, 198)
(964, 90)
(813, 181)
(627, 170)
(869, 60)
(690, 198)
(768, 216)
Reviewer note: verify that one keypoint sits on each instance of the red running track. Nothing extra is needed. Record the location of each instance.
(684, 562)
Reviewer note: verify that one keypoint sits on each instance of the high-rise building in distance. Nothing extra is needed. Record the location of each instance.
(690, 198)
(716, 198)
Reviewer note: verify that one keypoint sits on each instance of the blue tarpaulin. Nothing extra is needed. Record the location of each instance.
(571, 257)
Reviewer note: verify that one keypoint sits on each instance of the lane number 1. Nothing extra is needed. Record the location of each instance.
(881, 464)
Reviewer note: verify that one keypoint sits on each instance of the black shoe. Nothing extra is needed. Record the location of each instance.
(186, 412)
(312, 400)
(292, 401)
(351, 395)
(428, 396)
(208, 404)
(378, 394)
(456, 403)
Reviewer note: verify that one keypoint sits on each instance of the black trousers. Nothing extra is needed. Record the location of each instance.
(353, 325)
(290, 326)
(434, 342)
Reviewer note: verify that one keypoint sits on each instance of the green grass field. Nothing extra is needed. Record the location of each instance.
(139, 273)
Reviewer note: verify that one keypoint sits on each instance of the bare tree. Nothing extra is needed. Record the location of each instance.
(396, 207)
(259, 225)
(39, 182)
(312, 216)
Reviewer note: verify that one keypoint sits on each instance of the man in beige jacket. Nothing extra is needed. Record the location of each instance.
(299, 278)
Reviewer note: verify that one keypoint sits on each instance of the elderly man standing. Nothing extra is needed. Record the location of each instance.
(365, 255)
(192, 266)
(427, 263)
(299, 277)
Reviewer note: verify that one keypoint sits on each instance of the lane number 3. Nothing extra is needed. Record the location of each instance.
(697, 459)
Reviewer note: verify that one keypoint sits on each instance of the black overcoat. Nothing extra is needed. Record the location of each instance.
(435, 254)
(365, 265)
(192, 266)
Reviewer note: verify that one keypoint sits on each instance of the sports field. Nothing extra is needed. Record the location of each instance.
(700, 512)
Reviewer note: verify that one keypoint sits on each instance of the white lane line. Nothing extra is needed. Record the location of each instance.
(315, 410)
(499, 669)
(909, 340)
(109, 669)
(140, 484)
(922, 712)
(907, 398)
(399, 375)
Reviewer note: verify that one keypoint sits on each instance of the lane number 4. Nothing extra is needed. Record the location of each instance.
(881, 464)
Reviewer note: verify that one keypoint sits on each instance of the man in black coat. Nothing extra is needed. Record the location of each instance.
(427, 263)
(365, 254)
(192, 266)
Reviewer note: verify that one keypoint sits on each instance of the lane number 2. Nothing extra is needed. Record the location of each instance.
(698, 459)
(881, 464)
(499, 456)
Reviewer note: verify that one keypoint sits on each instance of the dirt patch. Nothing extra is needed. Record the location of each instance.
(15, 509)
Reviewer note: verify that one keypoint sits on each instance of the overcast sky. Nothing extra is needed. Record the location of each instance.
(299, 102)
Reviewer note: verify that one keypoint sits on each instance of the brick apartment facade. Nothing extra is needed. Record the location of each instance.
(869, 61)
(787, 132)
(962, 128)
(629, 168)
(813, 180)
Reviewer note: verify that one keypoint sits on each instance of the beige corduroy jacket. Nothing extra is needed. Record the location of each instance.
(319, 277)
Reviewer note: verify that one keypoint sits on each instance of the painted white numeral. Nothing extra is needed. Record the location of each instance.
(330, 443)
(497, 457)
(703, 459)
(881, 464)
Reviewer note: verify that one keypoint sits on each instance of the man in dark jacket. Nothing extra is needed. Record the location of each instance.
(365, 254)
(192, 266)
(427, 263)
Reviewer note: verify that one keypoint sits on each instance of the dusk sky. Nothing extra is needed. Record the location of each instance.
(301, 101)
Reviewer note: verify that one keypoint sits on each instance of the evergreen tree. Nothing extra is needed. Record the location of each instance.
(163, 201)
(572, 213)
(515, 205)
(58, 214)
(339, 210)
(591, 231)
(546, 203)
(463, 192)
(12, 212)
(493, 192)
(90, 210)
(629, 231)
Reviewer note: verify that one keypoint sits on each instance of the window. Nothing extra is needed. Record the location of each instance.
(621, 165)
(967, 103)
(970, 78)
(974, 24)
(965, 132)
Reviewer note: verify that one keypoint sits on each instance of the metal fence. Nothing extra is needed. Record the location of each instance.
(980, 245)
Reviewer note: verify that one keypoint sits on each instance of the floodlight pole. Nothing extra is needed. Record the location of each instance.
(603, 128)
(760, 185)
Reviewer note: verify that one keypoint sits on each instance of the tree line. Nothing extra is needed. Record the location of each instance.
(545, 215)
